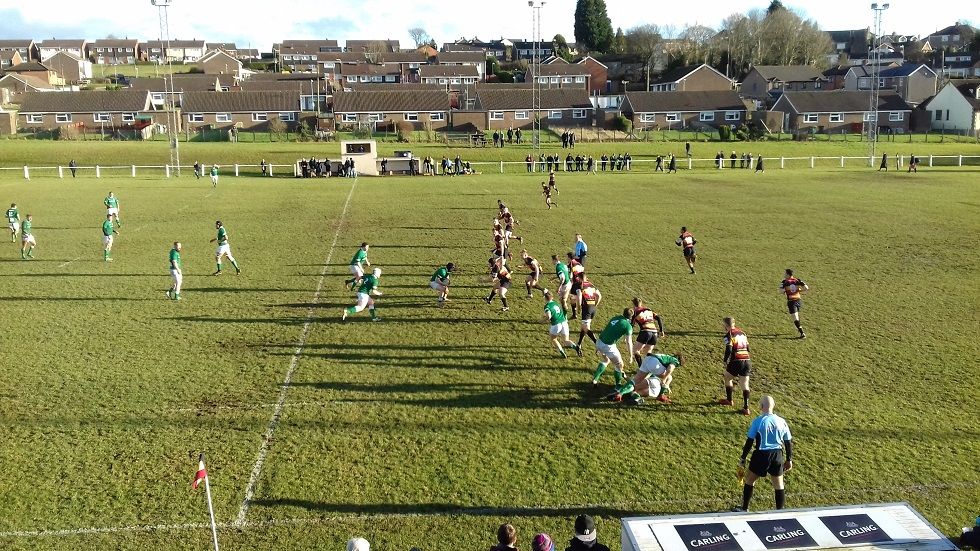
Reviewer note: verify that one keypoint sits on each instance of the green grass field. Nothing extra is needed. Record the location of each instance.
(433, 426)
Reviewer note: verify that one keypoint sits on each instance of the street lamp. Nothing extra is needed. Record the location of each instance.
(536, 6)
(172, 116)
(875, 79)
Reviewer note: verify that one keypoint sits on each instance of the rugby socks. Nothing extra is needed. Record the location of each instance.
(638, 359)
(351, 310)
(745, 398)
(780, 499)
(374, 313)
(746, 496)
(105, 255)
(30, 252)
(728, 392)
(581, 337)
(626, 388)
(619, 376)
(490, 298)
(235, 264)
(591, 336)
(503, 301)
(598, 372)
(219, 267)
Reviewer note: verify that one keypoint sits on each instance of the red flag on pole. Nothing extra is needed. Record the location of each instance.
(202, 473)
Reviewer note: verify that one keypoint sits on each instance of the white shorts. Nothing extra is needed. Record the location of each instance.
(363, 299)
(14, 226)
(436, 286)
(559, 329)
(587, 324)
(653, 366)
(223, 249)
(112, 210)
(177, 276)
(29, 238)
(107, 240)
(654, 390)
(564, 289)
(356, 270)
(610, 351)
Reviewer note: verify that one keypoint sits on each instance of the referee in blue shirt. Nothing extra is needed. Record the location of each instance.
(770, 434)
(581, 249)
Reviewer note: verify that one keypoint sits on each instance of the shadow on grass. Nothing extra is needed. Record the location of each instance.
(456, 395)
(450, 509)
(74, 299)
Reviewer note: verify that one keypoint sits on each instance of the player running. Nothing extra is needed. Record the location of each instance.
(588, 298)
(27, 239)
(794, 288)
(652, 380)
(687, 241)
(546, 191)
(365, 296)
(224, 249)
(738, 364)
(107, 230)
(616, 329)
(439, 282)
(532, 278)
(356, 268)
(578, 273)
(552, 186)
(501, 282)
(651, 327)
(559, 324)
(564, 277)
(112, 208)
(13, 222)
(214, 175)
(509, 222)
(176, 272)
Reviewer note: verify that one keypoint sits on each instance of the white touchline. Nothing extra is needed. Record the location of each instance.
(63, 264)
(277, 411)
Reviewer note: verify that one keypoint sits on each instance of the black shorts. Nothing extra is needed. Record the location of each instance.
(689, 252)
(504, 282)
(576, 287)
(647, 337)
(534, 276)
(739, 368)
(766, 462)
(588, 311)
(794, 306)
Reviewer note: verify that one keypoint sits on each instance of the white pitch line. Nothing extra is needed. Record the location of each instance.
(63, 264)
(277, 411)
(481, 511)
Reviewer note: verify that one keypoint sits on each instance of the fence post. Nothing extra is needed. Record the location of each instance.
(27, 173)
(812, 162)
(690, 163)
(501, 167)
(98, 171)
(842, 161)
(166, 170)
(901, 161)
(134, 170)
(270, 169)
(236, 170)
(961, 160)
(782, 162)
(930, 161)
(61, 172)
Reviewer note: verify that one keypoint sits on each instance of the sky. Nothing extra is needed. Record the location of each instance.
(259, 23)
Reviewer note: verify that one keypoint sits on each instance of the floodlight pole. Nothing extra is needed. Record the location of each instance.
(168, 88)
(536, 6)
(875, 79)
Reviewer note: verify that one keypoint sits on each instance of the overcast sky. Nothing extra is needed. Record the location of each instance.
(259, 23)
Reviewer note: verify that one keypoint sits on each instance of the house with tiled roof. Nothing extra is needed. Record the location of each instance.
(9, 58)
(765, 81)
(113, 51)
(510, 106)
(73, 46)
(422, 107)
(370, 72)
(118, 109)
(160, 88)
(476, 58)
(39, 71)
(176, 50)
(560, 75)
(675, 110)
(956, 108)
(26, 47)
(16, 86)
(914, 83)
(954, 38)
(219, 62)
(368, 46)
(452, 77)
(692, 78)
(71, 69)
(842, 111)
(250, 111)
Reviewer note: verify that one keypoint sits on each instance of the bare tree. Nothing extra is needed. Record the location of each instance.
(644, 41)
(375, 51)
(419, 35)
(696, 40)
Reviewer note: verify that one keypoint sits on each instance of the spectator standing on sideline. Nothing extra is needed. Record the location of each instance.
(672, 166)
(517, 135)
(542, 542)
(748, 160)
(581, 249)
(884, 162)
(687, 149)
(759, 167)
(660, 164)
(197, 169)
(72, 166)
(586, 538)
(733, 158)
(913, 164)
(529, 161)
(770, 434)
(506, 538)
(265, 168)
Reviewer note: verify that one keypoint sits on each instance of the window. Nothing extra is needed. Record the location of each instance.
(411, 116)
(100, 50)
(128, 117)
(956, 38)
(945, 38)
(732, 115)
(672, 117)
(62, 117)
(648, 117)
(818, 85)
(869, 117)
(389, 78)
(554, 114)
(520, 115)
(437, 116)
(496, 115)
(222, 117)
(443, 81)
(578, 113)
(329, 65)
(350, 117)
(837, 117)
(454, 80)
(287, 116)
(939, 114)
(35, 118)
(566, 80)
(707, 116)
(195, 117)
(259, 117)
(543, 80)
(376, 117)
(580, 80)
(555, 80)
(413, 65)
(896, 116)
(811, 117)
(102, 117)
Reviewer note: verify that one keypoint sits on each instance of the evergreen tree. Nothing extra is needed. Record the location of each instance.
(593, 29)
(619, 42)
(560, 47)
(775, 6)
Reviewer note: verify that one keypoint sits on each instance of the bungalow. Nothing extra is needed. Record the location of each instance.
(913, 83)
(244, 110)
(561, 75)
(248, 55)
(475, 58)
(15, 86)
(423, 108)
(409, 63)
(75, 47)
(313, 46)
(27, 49)
(114, 51)
(766, 81)
(496, 49)
(72, 69)
(219, 62)
(452, 77)
(842, 111)
(510, 106)
(656, 110)
(160, 87)
(9, 58)
(119, 109)
(956, 108)
(694, 78)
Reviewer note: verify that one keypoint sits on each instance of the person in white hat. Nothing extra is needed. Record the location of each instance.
(358, 544)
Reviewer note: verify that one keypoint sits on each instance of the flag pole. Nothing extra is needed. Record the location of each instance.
(207, 490)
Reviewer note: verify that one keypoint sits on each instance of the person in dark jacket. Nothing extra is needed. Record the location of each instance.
(585, 536)
(506, 538)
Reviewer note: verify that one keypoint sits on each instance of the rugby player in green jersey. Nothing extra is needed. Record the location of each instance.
(176, 272)
(13, 221)
(616, 329)
(107, 230)
(27, 239)
(357, 264)
(555, 316)
(652, 379)
(365, 296)
(439, 282)
(224, 249)
(112, 208)
(564, 277)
